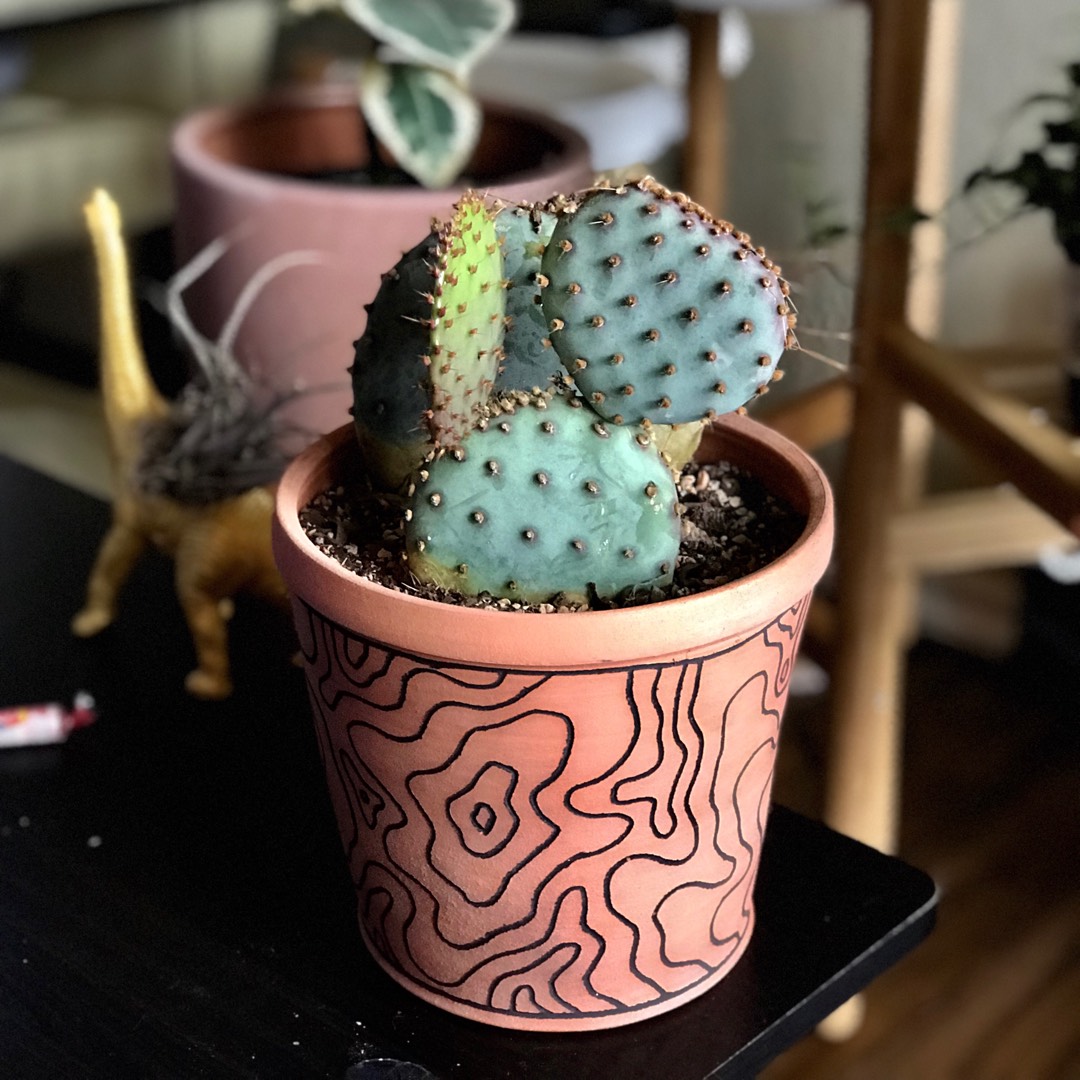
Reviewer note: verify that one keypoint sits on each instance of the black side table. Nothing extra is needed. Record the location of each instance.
(174, 902)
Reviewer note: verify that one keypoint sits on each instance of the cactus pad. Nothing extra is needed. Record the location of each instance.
(530, 360)
(546, 499)
(391, 390)
(659, 311)
(467, 311)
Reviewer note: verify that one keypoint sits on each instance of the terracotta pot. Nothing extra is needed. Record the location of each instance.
(227, 166)
(553, 822)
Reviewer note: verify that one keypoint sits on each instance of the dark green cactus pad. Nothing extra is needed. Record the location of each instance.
(391, 388)
(659, 311)
(468, 304)
(545, 500)
(530, 361)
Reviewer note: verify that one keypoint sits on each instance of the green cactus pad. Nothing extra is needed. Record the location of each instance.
(530, 360)
(546, 500)
(659, 311)
(467, 312)
(391, 389)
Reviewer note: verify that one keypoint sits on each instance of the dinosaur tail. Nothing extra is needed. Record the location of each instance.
(130, 397)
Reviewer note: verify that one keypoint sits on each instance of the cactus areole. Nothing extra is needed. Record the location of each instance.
(532, 378)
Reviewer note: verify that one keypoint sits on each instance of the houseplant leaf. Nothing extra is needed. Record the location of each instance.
(451, 37)
(424, 117)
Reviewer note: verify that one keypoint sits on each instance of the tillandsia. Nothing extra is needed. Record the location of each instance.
(534, 378)
(225, 432)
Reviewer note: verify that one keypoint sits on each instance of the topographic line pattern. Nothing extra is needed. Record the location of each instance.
(558, 845)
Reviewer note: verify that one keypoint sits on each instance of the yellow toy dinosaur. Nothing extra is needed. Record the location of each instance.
(219, 547)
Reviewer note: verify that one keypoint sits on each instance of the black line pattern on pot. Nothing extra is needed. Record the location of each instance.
(440, 906)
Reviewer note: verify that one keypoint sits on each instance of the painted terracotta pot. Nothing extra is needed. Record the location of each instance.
(229, 167)
(553, 822)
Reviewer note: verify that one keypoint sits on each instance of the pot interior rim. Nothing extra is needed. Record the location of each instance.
(699, 624)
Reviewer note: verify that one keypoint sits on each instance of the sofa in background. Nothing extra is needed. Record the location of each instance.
(89, 90)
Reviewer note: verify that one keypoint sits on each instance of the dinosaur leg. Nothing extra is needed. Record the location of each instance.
(206, 618)
(123, 544)
(202, 589)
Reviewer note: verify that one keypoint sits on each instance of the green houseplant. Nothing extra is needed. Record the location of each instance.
(249, 173)
(1048, 175)
(418, 104)
(551, 767)
(1047, 178)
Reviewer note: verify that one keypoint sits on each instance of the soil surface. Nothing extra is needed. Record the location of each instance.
(731, 526)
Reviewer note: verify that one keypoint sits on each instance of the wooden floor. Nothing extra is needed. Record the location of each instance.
(992, 812)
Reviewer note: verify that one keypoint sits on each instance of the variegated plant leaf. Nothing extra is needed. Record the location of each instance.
(451, 36)
(424, 117)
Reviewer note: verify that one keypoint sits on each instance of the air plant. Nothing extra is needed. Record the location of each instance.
(223, 433)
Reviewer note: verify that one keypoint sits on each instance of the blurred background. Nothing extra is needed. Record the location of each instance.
(89, 93)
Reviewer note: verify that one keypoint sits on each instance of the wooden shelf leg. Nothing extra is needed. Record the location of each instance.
(874, 603)
(877, 605)
(704, 154)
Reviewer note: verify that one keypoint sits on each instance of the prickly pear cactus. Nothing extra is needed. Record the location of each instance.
(546, 499)
(659, 311)
(662, 315)
(391, 390)
(530, 359)
(466, 321)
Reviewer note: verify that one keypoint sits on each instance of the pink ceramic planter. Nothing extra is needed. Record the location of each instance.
(226, 166)
(553, 822)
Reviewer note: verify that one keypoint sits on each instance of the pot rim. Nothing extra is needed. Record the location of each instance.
(664, 631)
(188, 142)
